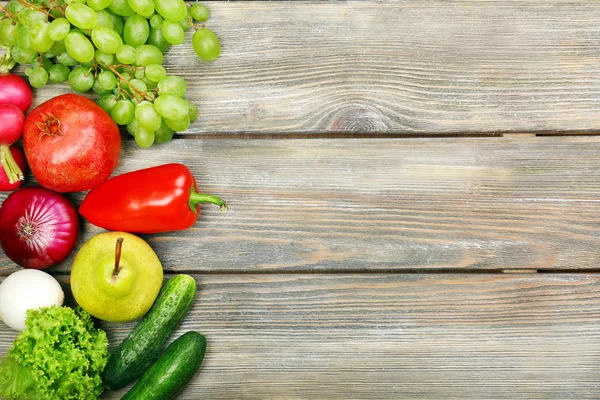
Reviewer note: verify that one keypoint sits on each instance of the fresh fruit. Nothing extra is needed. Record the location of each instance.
(116, 277)
(19, 157)
(38, 227)
(11, 130)
(71, 144)
(158, 199)
(172, 371)
(133, 356)
(108, 47)
(27, 289)
(14, 90)
(206, 44)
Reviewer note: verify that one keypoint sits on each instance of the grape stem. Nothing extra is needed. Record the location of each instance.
(6, 63)
(34, 7)
(8, 13)
(113, 68)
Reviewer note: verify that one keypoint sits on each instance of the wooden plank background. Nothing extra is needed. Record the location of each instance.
(396, 68)
(353, 336)
(359, 261)
(382, 205)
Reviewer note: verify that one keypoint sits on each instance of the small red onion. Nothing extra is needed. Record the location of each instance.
(38, 227)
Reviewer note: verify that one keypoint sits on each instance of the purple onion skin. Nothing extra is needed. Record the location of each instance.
(38, 227)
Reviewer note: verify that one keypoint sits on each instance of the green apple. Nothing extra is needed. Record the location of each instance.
(116, 277)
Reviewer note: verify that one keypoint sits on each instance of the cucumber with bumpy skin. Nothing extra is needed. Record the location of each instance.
(135, 354)
(172, 371)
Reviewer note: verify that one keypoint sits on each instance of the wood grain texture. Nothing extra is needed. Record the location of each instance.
(395, 67)
(382, 204)
(393, 337)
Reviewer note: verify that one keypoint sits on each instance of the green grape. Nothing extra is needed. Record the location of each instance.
(56, 49)
(173, 85)
(66, 59)
(139, 73)
(38, 77)
(206, 44)
(122, 112)
(59, 29)
(9, 33)
(107, 102)
(98, 90)
(46, 64)
(136, 30)
(121, 7)
(173, 32)
(186, 23)
(28, 71)
(117, 22)
(138, 85)
(171, 107)
(79, 47)
(38, 37)
(147, 117)
(23, 56)
(105, 20)
(58, 73)
(106, 80)
(149, 85)
(126, 75)
(55, 12)
(155, 72)
(81, 16)
(133, 127)
(98, 5)
(144, 137)
(147, 54)
(145, 8)
(106, 40)
(126, 55)
(171, 10)
(156, 21)
(192, 111)
(15, 7)
(178, 125)
(74, 1)
(81, 79)
(157, 39)
(30, 17)
(23, 39)
(164, 133)
(199, 12)
(103, 58)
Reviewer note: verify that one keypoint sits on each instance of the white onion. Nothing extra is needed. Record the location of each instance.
(26, 289)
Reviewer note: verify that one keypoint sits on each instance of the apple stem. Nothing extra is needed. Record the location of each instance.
(118, 256)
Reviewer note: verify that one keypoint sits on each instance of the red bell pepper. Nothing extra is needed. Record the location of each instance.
(158, 199)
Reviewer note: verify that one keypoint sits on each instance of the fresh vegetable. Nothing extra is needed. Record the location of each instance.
(38, 227)
(59, 355)
(172, 371)
(19, 157)
(11, 130)
(158, 199)
(133, 356)
(14, 90)
(112, 48)
(27, 289)
(71, 144)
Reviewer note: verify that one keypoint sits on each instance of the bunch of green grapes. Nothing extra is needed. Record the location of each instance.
(114, 48)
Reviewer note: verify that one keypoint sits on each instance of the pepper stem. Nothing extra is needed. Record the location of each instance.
(13, 172)
(118, 257)
(197, 198)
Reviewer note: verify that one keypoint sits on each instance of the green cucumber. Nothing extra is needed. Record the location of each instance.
(135, 354)
(172, 371)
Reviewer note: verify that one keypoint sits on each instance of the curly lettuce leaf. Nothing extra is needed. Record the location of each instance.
(62, 352)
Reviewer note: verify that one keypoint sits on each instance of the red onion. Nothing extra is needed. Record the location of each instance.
(38, 227)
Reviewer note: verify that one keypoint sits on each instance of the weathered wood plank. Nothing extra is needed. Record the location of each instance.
(397, 67)
(383, 204)
(393, 337)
